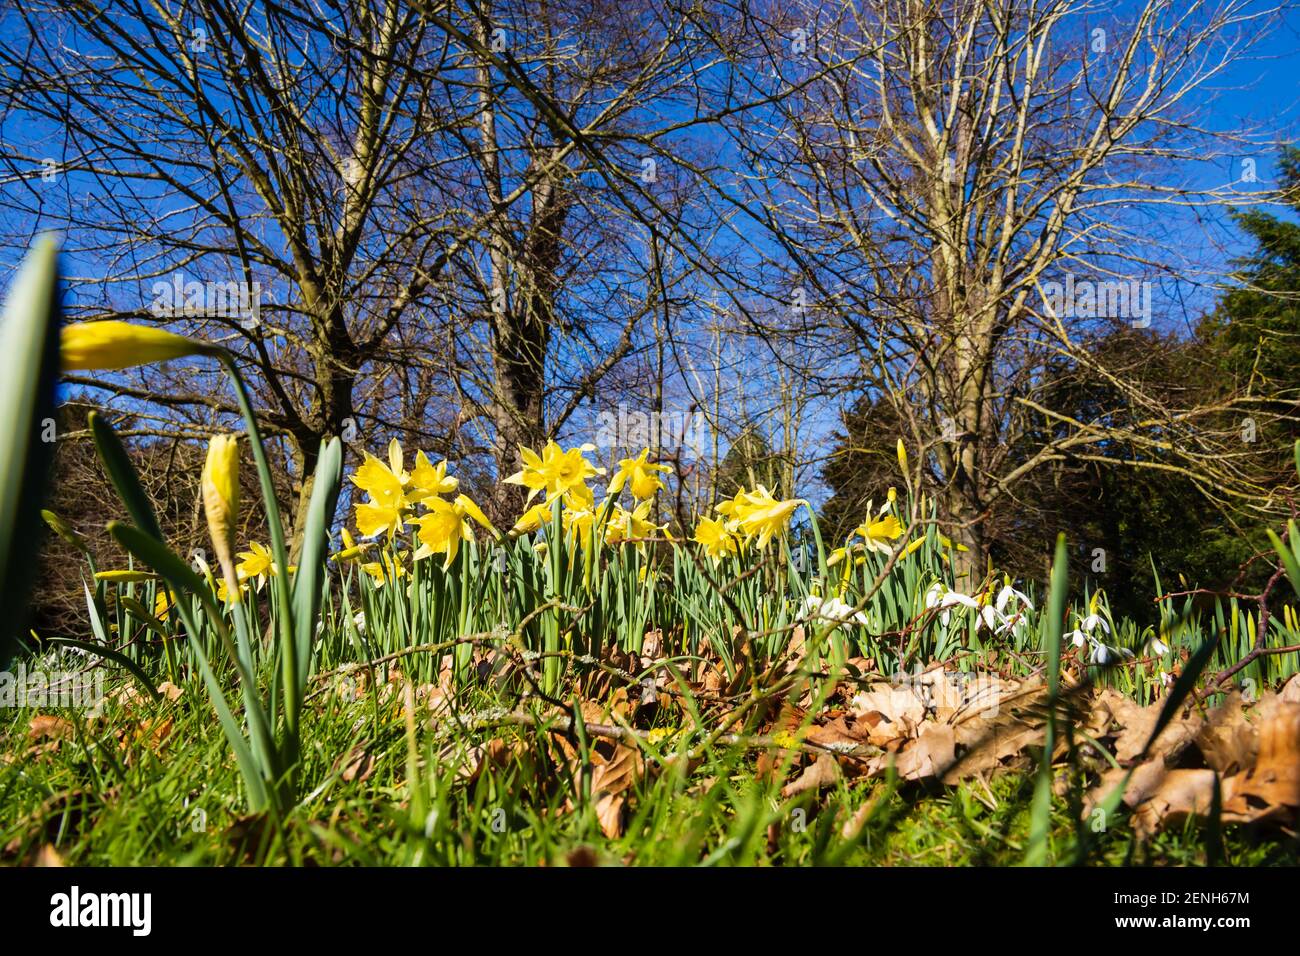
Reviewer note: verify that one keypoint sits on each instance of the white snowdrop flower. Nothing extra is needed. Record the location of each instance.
(831, 609)
(1006, 594)
(941, 597)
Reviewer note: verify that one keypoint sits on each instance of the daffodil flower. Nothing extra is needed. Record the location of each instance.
(579, 517)
(444, 527)
(220, 485)
(429, 481)
(877, 532)
(757, 514)
(554, 471)
(631, 525)
(712, 535)
(532, 519)
(258, 564)
(639, 476)
(224, 592)
(385, 485)
(385, 569)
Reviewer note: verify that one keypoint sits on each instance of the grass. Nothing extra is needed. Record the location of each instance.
(111, 794)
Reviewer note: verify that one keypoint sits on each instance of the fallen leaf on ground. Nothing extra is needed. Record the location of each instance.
(823, 772)
(611, 778)
(1271, 789)
(50, 727)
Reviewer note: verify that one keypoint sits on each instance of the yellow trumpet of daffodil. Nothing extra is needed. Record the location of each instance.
(113, 345)
(639, 476)
(444, 527)
(220, 485)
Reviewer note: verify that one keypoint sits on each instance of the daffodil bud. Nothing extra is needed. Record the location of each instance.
(114, 345)
(64, 530)
(221, 504)
(902, 456)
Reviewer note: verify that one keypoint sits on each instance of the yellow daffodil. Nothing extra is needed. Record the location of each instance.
(631, 525)
(639, 476)
(387, 568)
(579, 516)
(257, 564)
(444, 527)
(712, 535)
(554, 471)
(763, 516)
(162, 602)
(220, 484)
(879, 530)
(901, 450)
(532, 519)
(224, 592)
(113, 345)
(256, 561)
(385, 485)
(730, 509)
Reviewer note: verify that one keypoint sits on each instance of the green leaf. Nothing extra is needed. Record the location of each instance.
(1287, 555)
(165, 561)
(120, 471)
(29, 370)
(1040, 814)
(116, 657)
(258, 798)
(309, 580)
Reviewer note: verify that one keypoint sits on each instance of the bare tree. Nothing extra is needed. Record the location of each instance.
(967, 192)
